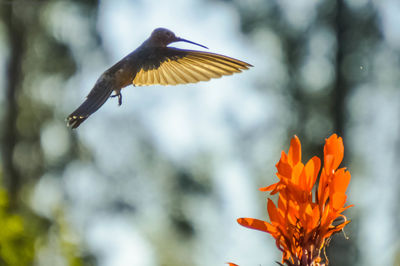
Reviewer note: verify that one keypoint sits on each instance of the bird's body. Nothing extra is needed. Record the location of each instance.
(154, 63)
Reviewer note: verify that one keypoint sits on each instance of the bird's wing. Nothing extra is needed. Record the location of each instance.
(172, 66)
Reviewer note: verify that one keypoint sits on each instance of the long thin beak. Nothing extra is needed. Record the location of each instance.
(184, 40)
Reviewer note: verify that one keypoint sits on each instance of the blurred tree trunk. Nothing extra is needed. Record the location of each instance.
(34, 54)
(339, 87)
(395, 214)
(15, 33)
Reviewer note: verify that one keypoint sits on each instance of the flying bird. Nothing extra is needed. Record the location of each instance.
(154, 63)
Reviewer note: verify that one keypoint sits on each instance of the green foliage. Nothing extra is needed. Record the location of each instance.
(23, 235)
(16, 240)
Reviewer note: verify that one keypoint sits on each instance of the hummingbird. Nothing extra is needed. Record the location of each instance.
(154, 63)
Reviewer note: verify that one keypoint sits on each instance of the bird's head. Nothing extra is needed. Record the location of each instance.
(162, 37)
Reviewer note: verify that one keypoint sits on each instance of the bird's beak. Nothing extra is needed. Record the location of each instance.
(184, 40)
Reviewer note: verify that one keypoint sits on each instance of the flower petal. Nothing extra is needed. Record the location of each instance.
(338, 200)
(284, 169)
(341, 181)
(302, 220)
(333, 153)
(273, 212)
(257, 225)
(269, 188)
(310, 174)
(294, 153)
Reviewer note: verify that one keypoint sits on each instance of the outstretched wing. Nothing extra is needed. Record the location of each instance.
(172, 66)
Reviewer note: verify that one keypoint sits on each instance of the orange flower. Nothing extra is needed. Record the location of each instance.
(302, 222)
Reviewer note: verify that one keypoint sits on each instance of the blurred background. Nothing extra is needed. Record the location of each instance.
(162, 179)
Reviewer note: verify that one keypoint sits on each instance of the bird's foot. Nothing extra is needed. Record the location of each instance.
(119, 95)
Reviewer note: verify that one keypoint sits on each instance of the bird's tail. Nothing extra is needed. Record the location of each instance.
(96, 98)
